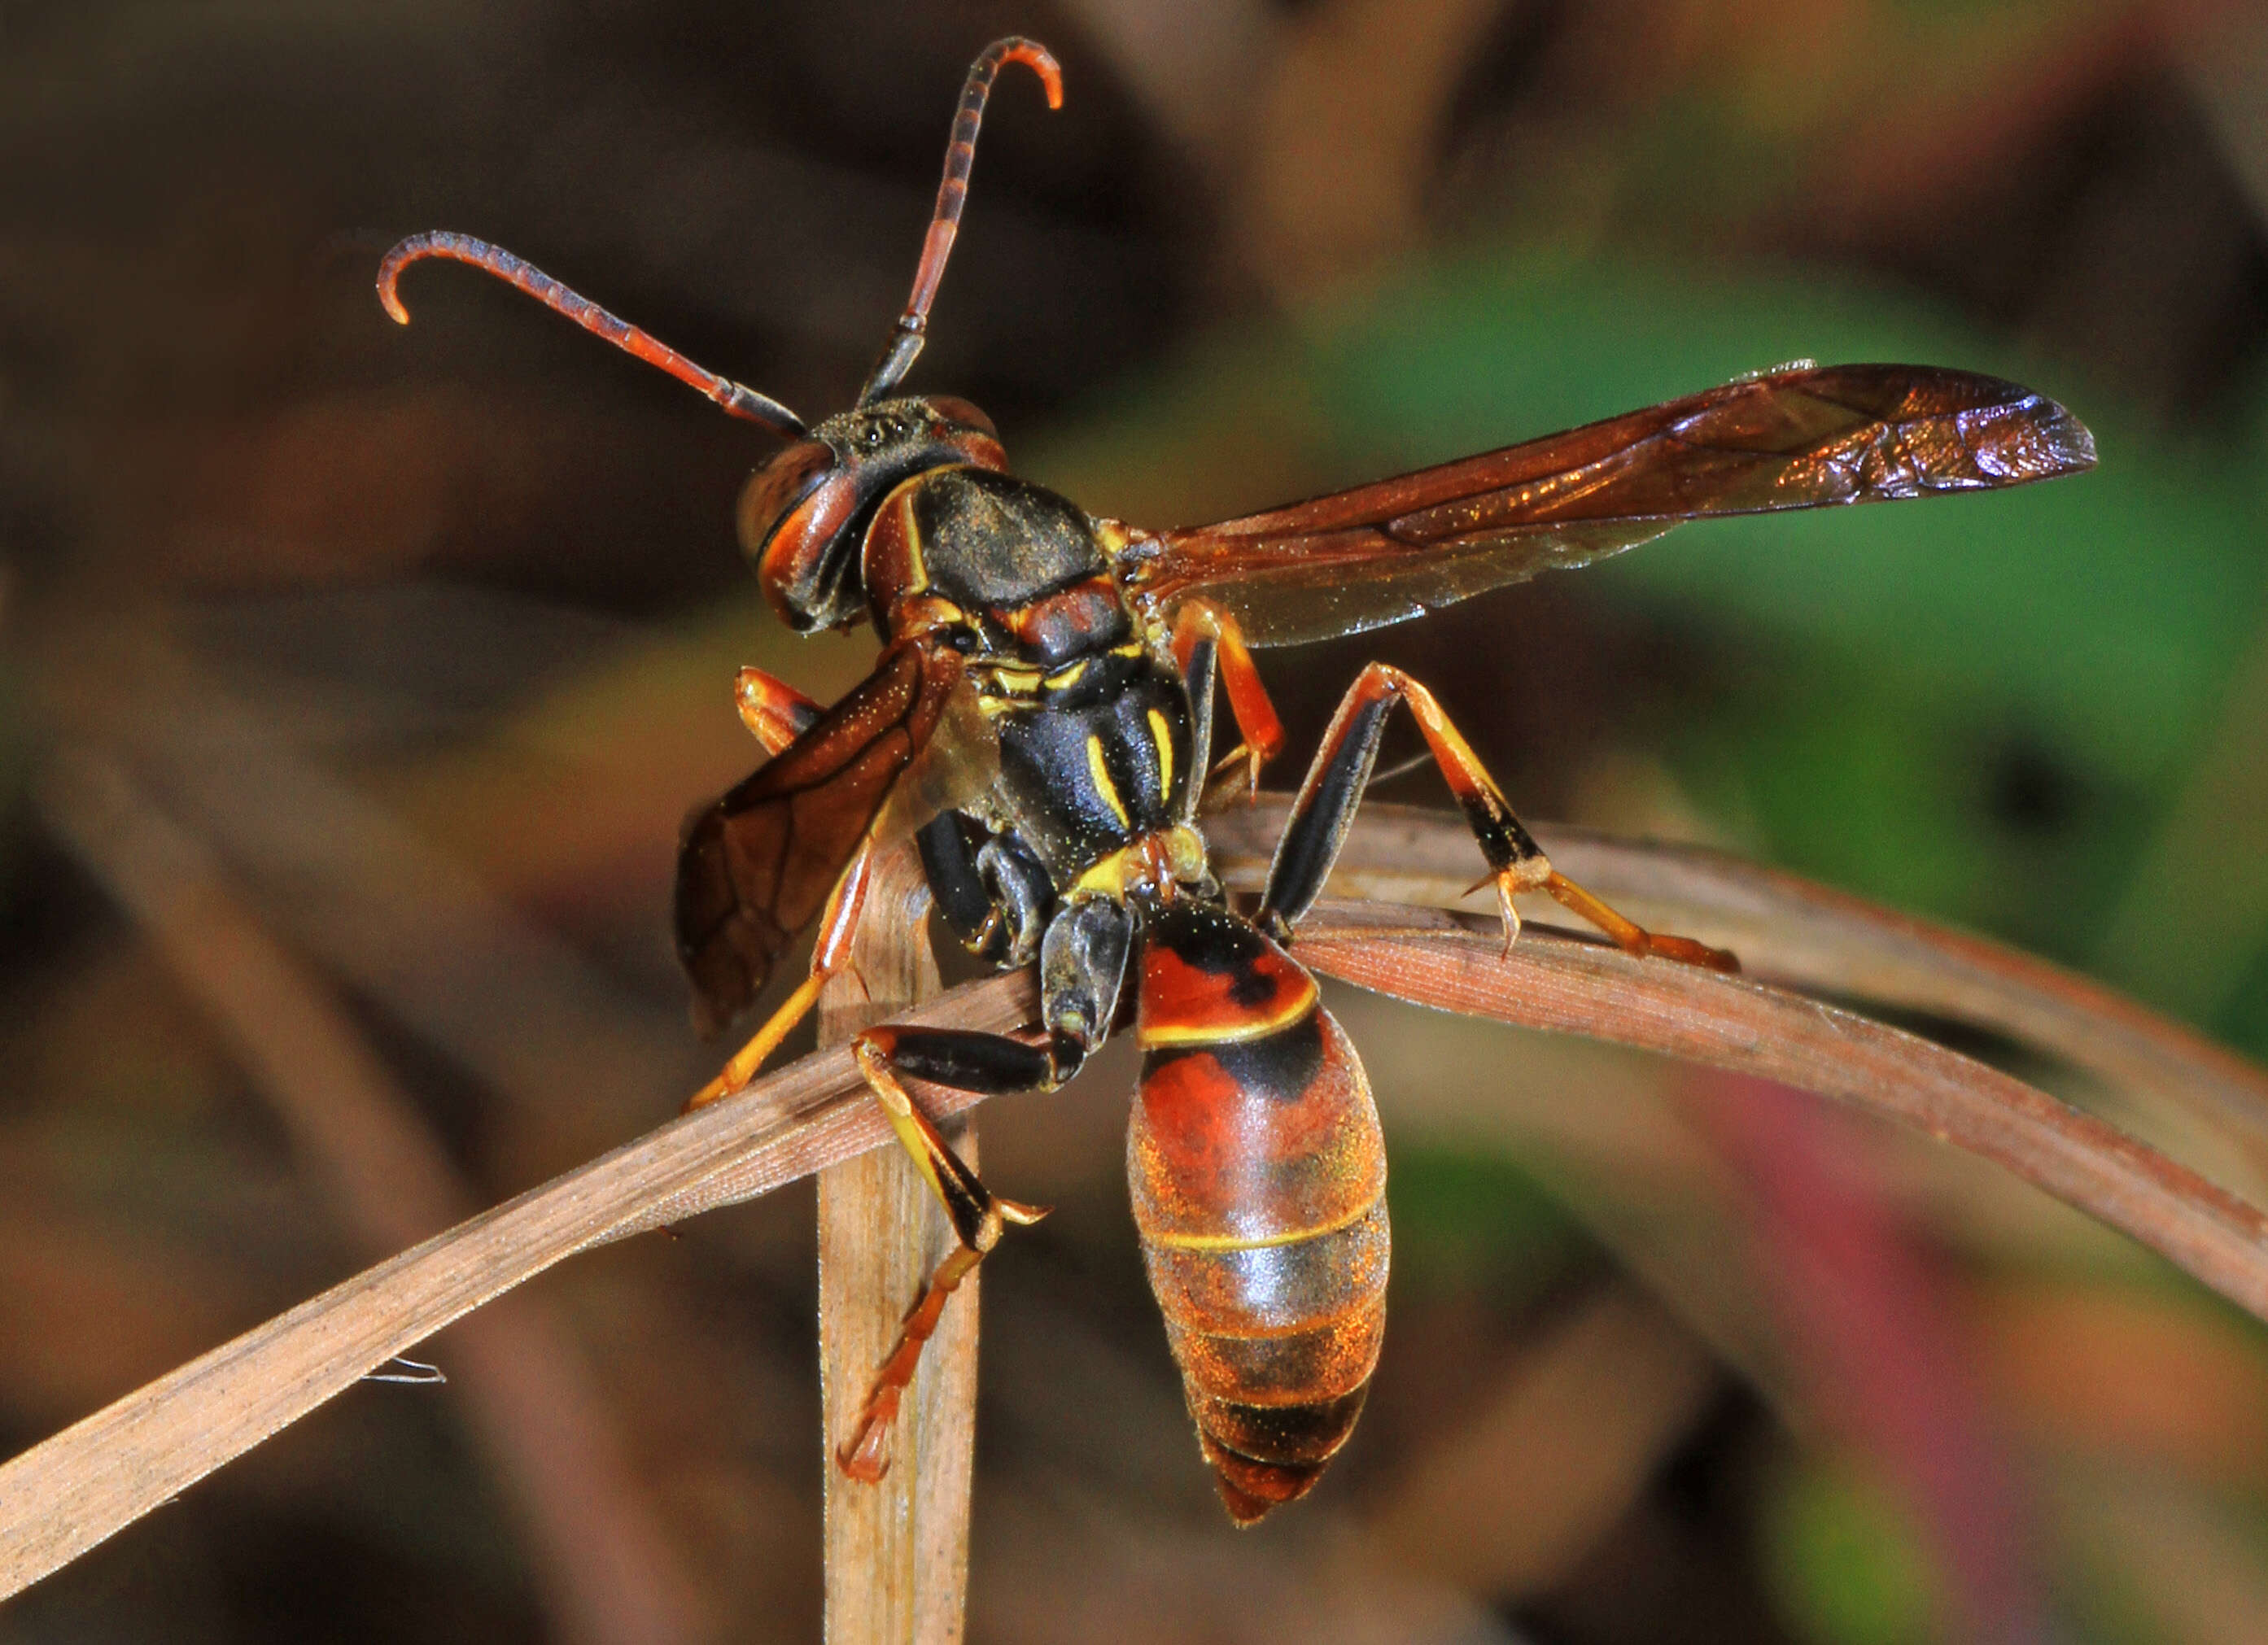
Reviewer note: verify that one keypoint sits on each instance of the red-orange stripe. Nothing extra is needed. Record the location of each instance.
(1183, 1004)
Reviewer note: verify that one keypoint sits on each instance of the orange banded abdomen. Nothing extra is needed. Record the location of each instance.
(1258, 1174)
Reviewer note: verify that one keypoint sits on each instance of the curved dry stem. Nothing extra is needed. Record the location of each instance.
(608, 1569)
(896, 1550)
(68, 1494)
(1795, 931)
(1456, 963)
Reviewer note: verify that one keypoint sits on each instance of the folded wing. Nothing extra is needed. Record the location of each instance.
(1790, 439)
(755, 867)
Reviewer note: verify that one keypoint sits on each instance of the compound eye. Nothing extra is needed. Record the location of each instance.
(779, 489)
(953, 409)
(967, 433)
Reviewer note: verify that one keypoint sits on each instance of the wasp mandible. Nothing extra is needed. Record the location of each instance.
(1041, 718)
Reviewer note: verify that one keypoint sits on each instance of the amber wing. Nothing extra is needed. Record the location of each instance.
(755, 867)
(1791, 439)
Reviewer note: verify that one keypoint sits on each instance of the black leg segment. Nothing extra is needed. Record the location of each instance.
(1326, 804)
(1326, 800)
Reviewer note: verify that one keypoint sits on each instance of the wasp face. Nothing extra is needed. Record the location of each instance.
(803, 516)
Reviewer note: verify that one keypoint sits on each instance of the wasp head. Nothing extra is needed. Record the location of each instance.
(803, 516)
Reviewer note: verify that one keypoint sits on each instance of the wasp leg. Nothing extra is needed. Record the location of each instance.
(1207, 643)
(1082, 970)
(949, 843)
(992, 1063)
(831, 955)
(775, 711)
(990, 888)
(1326, 805)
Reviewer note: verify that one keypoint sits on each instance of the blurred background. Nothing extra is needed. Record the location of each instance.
(353, 681)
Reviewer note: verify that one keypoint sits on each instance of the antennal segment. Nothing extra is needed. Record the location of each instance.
(732, 397)
(951, 194)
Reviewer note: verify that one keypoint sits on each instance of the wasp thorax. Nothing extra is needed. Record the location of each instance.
(803, 516)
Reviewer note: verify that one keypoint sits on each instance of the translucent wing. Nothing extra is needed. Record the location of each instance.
(1788, 439)
(755, 867)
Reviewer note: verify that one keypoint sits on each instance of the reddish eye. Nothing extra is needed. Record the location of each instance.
(792, 517)
(953, 409)
(968, 432)
(774, 491)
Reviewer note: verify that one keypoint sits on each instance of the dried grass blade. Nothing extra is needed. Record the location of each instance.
(1432, 959)
(66, 1494)
(1791, 930)
(897, 1549)
(607, 1571)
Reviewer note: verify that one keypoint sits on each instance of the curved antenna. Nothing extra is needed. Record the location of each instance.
(731, 396)
(952, 193)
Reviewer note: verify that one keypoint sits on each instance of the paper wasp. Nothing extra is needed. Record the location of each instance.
(1041, 717)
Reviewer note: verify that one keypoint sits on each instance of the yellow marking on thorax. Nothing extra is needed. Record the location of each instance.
(1155, 862)
(1162, 734)
(921, 610)
(902, 499)
(1103, 785)
(1238, 1241)
(1013, 678)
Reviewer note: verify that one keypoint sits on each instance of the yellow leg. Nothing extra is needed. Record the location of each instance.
(863, 1458)
(836, 926)
(1630, 937)
(979, 1217)
(977, 1214)
(750, 1057)
(1334, 785)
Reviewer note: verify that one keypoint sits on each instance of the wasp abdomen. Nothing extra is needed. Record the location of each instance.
(1258, 1174)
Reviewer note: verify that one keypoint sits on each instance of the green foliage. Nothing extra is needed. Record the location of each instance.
(2110, 609)
(1474, 1221)
(1845, 1564)
(1979, 707)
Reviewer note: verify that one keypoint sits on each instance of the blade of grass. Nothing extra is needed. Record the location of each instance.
(608, 1574)
(897, 1550)
(69, 1493)
(1433, 957)
(1808, 937)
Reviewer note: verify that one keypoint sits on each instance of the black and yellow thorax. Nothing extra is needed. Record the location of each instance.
(1094, 721)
